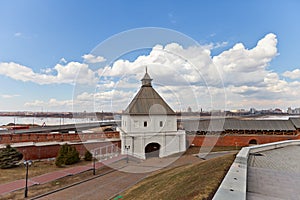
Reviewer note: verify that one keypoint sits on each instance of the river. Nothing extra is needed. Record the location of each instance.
(41, 120)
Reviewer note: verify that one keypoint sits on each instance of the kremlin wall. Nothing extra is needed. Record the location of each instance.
(37, 146)
(231, 132)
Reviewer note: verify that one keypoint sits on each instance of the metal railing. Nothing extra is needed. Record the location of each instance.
(106, 152)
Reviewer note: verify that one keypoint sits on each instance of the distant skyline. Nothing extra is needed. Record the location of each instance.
(253, 45)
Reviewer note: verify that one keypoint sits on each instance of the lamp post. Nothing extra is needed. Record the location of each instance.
(27, 163)
(94, 163)
(127, 147)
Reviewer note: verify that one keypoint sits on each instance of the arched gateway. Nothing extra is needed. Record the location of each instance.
(152, 150)
(149, 118)
(253, 142)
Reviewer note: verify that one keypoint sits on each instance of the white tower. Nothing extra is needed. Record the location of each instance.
(149, 125)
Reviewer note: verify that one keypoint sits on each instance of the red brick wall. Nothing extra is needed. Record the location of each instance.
(236, 140)
(51, 151)
(44, 137)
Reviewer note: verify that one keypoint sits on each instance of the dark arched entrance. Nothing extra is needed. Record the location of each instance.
(152, 150)
(253, 142)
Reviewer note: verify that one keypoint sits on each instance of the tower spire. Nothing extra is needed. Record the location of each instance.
(146, 80)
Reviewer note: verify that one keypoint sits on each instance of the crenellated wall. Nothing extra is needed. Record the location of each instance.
(236, 140)
(58, 137)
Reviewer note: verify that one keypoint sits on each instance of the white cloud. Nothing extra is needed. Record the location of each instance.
(239, 65)
(47, 70)
(63, 61)
(70, 73)
(51, 103)
(295, 74)
(89, 58)
(74, 71)
(8, 96)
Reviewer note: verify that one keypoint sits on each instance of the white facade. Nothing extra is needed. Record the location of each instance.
(154, 123)
(136, 136)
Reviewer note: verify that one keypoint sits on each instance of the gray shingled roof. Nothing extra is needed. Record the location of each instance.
(148, 101)
(236, 124)
(203, 125)
(295, 121)
(272, 125)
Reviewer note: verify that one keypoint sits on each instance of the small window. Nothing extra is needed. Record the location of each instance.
(161, 124)
(145, 123)
(136, 124)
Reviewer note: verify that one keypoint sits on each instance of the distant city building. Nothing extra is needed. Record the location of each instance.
(189, 109)
(277, 111)
(295, 111)
(252, 110)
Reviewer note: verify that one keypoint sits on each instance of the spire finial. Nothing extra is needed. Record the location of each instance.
(146, 81)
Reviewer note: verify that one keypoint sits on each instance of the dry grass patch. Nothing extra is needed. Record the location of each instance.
(36, 169)
(47, 187)
(193, 181)
(195, 150)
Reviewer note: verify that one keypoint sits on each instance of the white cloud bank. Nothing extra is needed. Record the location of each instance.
(183, 76)
(193, 73)
(89, 58)
(67, 73)
(295, 74)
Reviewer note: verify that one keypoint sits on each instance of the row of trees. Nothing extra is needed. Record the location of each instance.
(68, 155)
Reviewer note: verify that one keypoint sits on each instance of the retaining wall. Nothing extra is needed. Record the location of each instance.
(36, 151)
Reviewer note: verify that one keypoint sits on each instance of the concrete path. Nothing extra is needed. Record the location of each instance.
(51, 176)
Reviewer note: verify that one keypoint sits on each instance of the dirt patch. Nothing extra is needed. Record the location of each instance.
(196, 150)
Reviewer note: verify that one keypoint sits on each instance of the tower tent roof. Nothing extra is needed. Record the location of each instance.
(148, 102)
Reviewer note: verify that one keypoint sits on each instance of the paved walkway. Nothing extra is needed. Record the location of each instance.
(51, 176)
(106, 187)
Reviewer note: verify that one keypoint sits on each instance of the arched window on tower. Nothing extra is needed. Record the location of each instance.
(161, 124)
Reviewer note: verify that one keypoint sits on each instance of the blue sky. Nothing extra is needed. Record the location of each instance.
(38, 34)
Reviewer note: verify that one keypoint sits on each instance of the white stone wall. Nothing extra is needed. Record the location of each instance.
(135, 124)
(170, 142)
